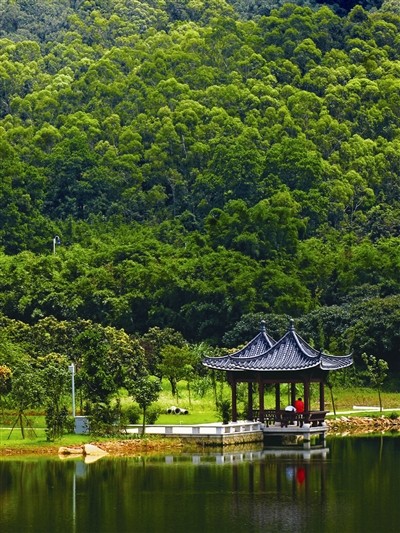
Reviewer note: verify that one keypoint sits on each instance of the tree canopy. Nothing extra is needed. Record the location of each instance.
(202, 163)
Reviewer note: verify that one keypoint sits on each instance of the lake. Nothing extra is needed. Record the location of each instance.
(352, 486)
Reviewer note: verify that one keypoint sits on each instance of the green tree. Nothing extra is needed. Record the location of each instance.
(175, 363)
(26, 393)
(376, 371)
(94, 378)
(153, 343)
(145, 390)
(108, 357)
(295, 162)
(55, 382)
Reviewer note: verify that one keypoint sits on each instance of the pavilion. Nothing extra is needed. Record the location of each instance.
(290, 360)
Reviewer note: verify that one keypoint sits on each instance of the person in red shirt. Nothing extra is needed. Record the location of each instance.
(299, 405)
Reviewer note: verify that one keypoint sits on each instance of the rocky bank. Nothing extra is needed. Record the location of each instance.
(355, 425)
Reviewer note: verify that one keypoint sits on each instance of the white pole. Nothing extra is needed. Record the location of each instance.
(56, 240)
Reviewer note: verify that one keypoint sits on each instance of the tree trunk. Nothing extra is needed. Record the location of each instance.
(21, 425)
(144, 421)
(172, 382)
(332, 399)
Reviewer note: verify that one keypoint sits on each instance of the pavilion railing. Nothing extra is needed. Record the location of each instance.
(287, 418)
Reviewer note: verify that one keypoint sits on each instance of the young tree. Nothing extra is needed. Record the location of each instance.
(377, 370)
(55, 381)
(329, 384)
(109, 356)
(153, 343)
(26, 393)
(145, 390)
(175, 365)
(195, 372)
(94, 377)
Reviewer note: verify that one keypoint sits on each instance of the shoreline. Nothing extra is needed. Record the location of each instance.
(339, 426)
(359, 425)
(114, 447)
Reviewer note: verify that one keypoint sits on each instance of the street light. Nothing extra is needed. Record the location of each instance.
(71, 368)
(56, 241)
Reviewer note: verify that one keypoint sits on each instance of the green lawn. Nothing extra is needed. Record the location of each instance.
(345, 399)
(16, 440)
(202, 410)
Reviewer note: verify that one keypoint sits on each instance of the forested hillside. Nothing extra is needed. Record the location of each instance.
(205, 164)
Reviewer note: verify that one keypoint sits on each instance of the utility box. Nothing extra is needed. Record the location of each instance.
(82, 426)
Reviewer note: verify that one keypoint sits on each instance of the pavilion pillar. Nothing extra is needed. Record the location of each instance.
(322, 396)
(261, 399)
(292, 393)
(250, 401)
(277, 396)
(234, 400)
(306, 396)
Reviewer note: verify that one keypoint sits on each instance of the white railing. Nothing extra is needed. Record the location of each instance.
(198, 429)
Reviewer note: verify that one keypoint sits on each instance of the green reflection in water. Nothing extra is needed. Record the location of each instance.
(354, 486)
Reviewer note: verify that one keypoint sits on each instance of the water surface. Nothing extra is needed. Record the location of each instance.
(351, 487)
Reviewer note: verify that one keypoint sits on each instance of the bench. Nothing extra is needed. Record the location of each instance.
(269, 417)
(287, 418)
(315, 418)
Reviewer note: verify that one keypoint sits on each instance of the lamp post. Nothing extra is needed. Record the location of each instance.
(56, 241)
(71, 368)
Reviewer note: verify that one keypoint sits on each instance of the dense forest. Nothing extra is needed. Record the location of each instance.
(203, 165)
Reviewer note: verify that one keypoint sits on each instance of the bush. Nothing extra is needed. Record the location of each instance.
(201, 385)
(131, 414)
(70, 425)
(224, 411)
(105, 420)
(56, 422)
(152, 413)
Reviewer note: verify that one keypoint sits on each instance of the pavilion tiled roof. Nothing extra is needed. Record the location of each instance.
(335, 362)
(290, 353)
(255, 348)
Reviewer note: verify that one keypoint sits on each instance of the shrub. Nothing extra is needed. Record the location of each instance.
(224, 411)
(105, 420)
(131, 414)
(152, 413)
(56, 422)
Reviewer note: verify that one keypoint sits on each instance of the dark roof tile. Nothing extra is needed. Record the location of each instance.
(290, 353)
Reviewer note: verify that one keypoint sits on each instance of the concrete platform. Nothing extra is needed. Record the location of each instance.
(243, 432)
(214, 434)
(305, 436)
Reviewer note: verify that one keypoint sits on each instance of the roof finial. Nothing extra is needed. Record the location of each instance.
(263, 326)
(291, 324)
